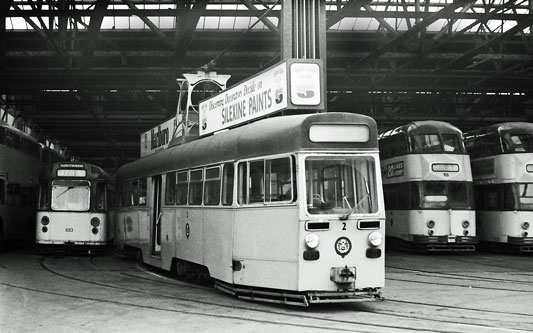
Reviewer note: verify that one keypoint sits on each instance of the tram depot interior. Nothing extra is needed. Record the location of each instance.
(87, 78)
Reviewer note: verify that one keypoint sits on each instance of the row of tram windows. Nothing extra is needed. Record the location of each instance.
(75, 195)
(402, 144)
(429, 195)
(13, 140)
(13, 194)
(507, 196)
(263, 181)
(493, 144)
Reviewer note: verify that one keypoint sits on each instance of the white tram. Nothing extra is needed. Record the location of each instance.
(427, 184)
(287, 209)
(502, 168)
(19, 172)
(72, 213)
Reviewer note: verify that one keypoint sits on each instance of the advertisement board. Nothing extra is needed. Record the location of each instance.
(290, 84)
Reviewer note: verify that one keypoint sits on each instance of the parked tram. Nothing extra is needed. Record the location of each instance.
(427, 184)
(286, 209)
(502, 168)
(19, 173)
(72, 213)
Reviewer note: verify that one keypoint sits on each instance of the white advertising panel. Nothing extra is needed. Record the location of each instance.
(256, 97)
(305, 83)
(158, 137)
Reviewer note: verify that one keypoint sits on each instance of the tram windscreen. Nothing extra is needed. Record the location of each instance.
(444, 195)
(435, 143)
(518, 142)
(339, 185)
(71, 195)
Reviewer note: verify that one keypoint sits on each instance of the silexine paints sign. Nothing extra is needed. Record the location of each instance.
(286, 85)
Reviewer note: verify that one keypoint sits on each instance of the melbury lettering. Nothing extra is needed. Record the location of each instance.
(159, 138)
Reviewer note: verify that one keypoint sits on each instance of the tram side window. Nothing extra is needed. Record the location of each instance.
(196, 187)
(170, 188)
(242, 183)
(182, 188)
(142, 191)
(100, 196)
(134, 194)
(2, 192)
(279, 180)
(526, 195)
(212, 186)
(126, 190)
(487, 145)
(257, 184)
(227, 184)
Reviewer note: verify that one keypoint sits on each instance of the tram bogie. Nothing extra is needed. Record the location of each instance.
(244, 210)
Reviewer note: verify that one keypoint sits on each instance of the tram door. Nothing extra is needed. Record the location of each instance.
(156, 215)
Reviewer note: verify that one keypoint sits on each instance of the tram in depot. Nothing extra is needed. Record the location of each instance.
(502, 168)
(73, 208)
(286, 209)
(19, 172)
(427, 185)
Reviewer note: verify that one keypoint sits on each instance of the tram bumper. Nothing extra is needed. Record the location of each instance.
(446, 242)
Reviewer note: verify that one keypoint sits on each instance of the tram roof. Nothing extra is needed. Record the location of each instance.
(270, 136)
(516, 126)
(423, 127)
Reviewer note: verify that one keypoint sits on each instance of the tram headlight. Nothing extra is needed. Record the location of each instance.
(45, 220)
(525, 225)
(95, 221)
(312, 241)
(466, 224)
(375, 238)
(431, 224)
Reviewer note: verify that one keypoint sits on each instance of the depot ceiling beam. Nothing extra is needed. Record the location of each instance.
(266, 21)
(352, 8)
(95, 25)
(149, 23)
(443, 13)
(521, 25)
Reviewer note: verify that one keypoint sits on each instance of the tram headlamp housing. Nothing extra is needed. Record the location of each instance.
(466, 224)
(375, 238)
(525, 225)
(312, 241)
(95, 221)
(45, 220)
(431, 224)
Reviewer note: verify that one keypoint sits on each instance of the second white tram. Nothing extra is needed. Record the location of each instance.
(72, 214)
(502, 167)
(287, 209)
(427, 184)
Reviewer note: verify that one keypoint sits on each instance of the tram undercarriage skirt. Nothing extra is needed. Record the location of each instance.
(299, 299)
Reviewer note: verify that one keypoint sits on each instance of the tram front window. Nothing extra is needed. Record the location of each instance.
(444, 195)
(71, 195)
(339, 185)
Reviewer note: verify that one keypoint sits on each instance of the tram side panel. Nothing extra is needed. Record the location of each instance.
(266, 247)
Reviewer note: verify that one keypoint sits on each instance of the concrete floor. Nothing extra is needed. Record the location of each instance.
(475, 292)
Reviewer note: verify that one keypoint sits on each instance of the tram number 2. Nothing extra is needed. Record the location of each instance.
(343, 225)
(69, 229)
